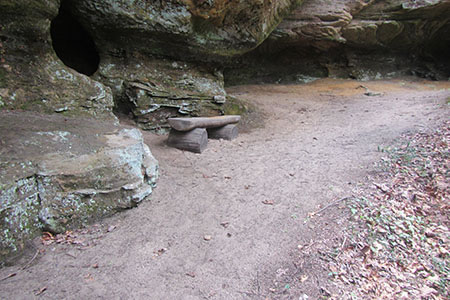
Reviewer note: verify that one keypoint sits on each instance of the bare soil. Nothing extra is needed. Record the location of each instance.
(228, 223)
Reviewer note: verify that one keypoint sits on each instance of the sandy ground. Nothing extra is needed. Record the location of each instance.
(318, 142)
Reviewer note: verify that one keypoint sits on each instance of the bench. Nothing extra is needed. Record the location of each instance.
(192, 134)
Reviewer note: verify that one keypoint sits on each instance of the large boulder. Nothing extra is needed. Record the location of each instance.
(59, 173)
(31, 75)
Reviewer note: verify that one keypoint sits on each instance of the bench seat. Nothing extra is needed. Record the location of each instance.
(186, 124)
(192, 134)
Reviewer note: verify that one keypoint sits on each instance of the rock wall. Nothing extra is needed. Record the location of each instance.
(31, 75)
(204, 29)
(160, 59)
(164, 58)
(353, 39)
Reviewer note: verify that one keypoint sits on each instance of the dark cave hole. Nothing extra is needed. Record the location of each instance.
(73, 44)
(439, 48)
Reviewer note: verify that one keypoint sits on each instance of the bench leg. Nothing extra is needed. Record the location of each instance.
(227, 132)
(194, 140)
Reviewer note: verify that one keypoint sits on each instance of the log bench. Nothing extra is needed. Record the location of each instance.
(192, 134)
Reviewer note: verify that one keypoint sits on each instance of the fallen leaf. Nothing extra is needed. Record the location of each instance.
(88, 277)
(303, 278)
(365, 250)
(433, 279)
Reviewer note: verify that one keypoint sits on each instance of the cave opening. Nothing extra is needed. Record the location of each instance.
(73, 44)
(439, 48)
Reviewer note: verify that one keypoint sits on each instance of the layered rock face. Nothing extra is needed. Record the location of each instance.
(356, 39)
(162, 58)
(57, 173)
(203, 28)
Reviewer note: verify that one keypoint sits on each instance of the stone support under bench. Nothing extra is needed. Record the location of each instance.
(192, 134)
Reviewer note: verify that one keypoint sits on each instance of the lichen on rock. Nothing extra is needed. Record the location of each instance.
(202, 29)
(61, 172)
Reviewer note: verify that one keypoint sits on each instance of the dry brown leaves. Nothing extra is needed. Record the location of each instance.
(68, 237)
(83, 238)
(401, 248)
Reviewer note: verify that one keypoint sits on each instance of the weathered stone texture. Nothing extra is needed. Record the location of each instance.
(31, 76)
(394, 24)
(203, 29)
(153, 90)
(352, 38)
(157, 56)
(58, 173)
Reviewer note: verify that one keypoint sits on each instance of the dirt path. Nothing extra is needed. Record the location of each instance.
(319, 141)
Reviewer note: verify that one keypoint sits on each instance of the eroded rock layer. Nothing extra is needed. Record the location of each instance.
(353, 39)
(163, 58)
(203, 28)
(160, 59)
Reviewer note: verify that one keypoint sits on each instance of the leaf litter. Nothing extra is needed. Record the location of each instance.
(398, 246)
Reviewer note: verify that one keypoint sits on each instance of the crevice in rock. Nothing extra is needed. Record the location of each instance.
(123, 107)
(72, 43)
